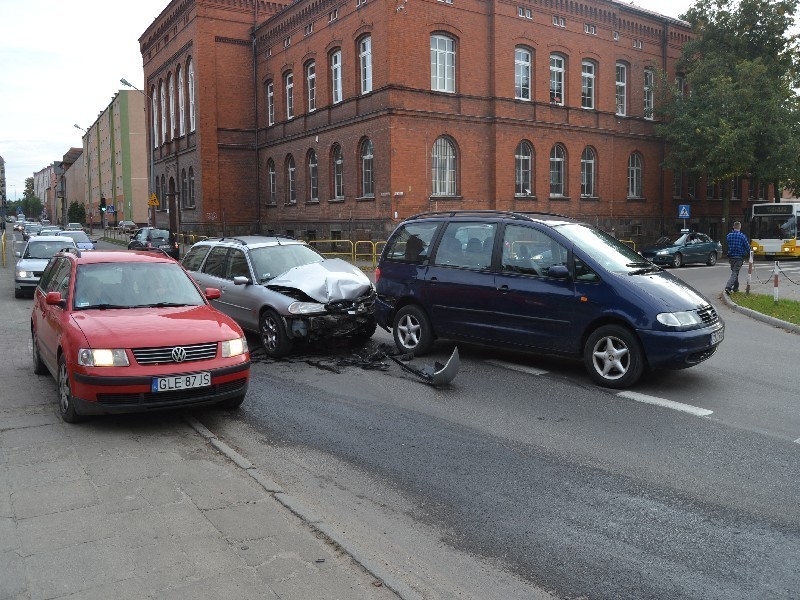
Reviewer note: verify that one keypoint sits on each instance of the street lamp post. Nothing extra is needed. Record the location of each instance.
(150, 149)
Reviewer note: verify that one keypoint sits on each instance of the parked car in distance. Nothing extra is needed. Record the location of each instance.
(49, 230)
(540, 283)
(74, 227)
(82, 240)
(682, 250)
(127, 226)
(284, 290)
(44, 222)
(29, 230)
(33, 260)
(148, 238)
(128, 331)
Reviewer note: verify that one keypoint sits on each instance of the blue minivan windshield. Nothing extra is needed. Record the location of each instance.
(605, 249)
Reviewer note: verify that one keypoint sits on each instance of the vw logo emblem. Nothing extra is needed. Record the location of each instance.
(179, 354)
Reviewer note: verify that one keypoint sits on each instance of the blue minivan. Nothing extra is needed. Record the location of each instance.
(540, 283)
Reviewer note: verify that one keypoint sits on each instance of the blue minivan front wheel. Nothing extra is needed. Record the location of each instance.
(614, 357)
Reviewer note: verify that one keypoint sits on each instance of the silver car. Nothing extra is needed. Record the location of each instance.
(32, 261)
(284, 290)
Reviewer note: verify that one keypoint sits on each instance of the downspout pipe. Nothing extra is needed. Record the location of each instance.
(255, 116)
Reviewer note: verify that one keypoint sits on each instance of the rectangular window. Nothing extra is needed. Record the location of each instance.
(311, 84)
(289, 82)
(443, 64)
(287, 42)
(622, 89)
(556, 80)
(528, 14)
(333, 15)
(309, 29)
(616, 36)
(520, 12)
(270, 103)
(522, 74)
(365, 59)
(649, 82)
(590, 29)
(336, 76)
(587, 85)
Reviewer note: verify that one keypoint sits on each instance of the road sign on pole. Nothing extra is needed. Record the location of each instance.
(683, 211)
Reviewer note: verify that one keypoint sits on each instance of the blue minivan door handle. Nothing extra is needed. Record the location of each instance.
(503, 288)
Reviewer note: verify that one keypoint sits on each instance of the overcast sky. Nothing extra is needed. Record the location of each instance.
(60, 65)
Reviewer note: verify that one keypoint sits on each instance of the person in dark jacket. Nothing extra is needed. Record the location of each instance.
(738, 252)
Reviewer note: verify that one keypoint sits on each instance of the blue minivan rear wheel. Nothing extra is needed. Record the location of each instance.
(613, 356)
(412, 330)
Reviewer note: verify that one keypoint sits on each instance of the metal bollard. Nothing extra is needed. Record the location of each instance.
(775, 282)
(749, 273)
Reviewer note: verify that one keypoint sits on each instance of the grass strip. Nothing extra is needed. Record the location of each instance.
(785, 310)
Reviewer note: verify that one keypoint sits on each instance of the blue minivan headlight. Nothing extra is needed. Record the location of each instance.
(680, 319)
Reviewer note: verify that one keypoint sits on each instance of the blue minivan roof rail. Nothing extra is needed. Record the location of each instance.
(523, 216)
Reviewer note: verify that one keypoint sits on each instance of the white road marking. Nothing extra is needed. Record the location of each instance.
(688, 408)
(797, 441)
(520, 368)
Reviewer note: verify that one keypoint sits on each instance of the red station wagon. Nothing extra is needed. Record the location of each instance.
(131, 331)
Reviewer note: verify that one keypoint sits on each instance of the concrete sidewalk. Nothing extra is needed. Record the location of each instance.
(142, 506)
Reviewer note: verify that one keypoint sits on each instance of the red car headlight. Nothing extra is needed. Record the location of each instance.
(102, 357)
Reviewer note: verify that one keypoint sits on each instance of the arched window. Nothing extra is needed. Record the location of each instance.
(184, 189)
(557, 69)
(163, 199)
(587, 173)
(313, 177)
(311, 85)
(522, 74)
(192, 112)
(162, 94)
(365, 64)
(557, 171)
(338, 172)
(192, 200)
(443, 167)
(443, 63)
(291, 181)
(270, 103)
(272, 183)
(524, 170)
(588, 74)
(154, 102)
(171, 102)
(367, 173)
(635, 175)
(181, 104)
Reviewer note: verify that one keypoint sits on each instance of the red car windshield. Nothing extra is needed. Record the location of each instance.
(133, 285)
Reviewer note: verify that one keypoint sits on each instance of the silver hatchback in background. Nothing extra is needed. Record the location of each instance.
(284, 290)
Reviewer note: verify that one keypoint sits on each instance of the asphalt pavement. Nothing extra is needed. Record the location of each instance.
(144, 506)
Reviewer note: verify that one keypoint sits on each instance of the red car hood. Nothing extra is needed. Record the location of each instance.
(154, 327)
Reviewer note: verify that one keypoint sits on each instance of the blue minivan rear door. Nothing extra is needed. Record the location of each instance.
(459, 285)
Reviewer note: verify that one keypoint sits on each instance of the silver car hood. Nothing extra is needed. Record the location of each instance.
(32, 264)
(326, 281)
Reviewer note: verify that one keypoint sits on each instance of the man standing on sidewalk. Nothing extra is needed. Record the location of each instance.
(738, 251)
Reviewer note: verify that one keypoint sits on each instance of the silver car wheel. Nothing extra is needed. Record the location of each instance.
(64, 393)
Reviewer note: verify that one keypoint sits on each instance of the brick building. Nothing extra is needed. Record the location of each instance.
(336, 119)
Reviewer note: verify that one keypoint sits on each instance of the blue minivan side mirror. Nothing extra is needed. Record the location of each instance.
(558, 272)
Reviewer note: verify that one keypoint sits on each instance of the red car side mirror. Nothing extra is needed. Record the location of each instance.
(54, 299)
(213, 293)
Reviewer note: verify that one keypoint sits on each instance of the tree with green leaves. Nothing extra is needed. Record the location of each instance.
(76, 213)
(740, 115)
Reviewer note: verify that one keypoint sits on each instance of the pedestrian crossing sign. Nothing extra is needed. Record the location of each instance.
(683, 211)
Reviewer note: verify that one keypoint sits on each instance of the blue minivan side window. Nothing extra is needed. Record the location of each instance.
(466, 244)
(412, 243)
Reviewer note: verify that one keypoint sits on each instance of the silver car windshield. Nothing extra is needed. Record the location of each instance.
(41, 249)
(607, 250)
(271, 261)
(134, 285)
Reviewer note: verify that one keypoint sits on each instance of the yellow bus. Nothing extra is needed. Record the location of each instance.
(773, 230)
